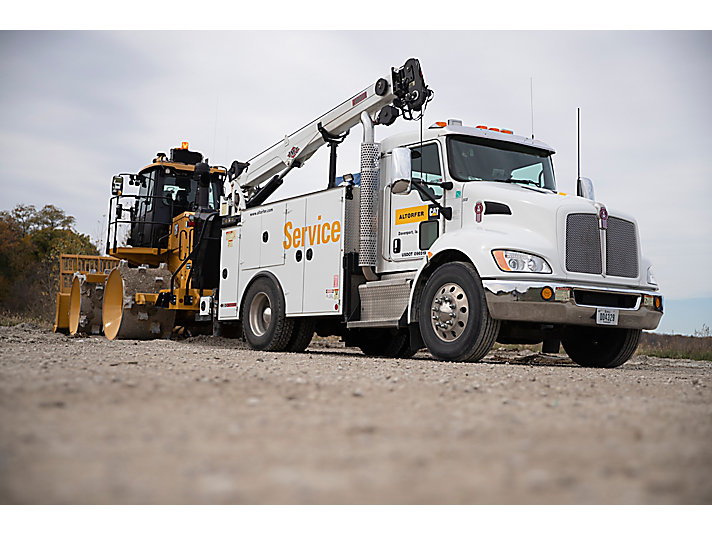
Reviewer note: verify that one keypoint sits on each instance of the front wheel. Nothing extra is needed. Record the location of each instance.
(600, 347)
(454, 321)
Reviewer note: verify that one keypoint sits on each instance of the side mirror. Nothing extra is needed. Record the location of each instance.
(400, 171)
(584, 188)
(117, 185)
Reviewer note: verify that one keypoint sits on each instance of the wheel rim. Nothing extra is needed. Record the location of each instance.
(260, 314)
(449, 312)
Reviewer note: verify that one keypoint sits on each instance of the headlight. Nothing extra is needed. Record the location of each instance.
(519, 262)
(651, 277)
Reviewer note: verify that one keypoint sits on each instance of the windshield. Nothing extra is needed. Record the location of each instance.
(180, 188)
(475, 159)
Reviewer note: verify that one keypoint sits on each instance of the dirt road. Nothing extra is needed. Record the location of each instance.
(205, 420)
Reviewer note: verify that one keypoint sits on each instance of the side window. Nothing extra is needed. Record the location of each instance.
(428, 233)
(145, 204)
(425, 164)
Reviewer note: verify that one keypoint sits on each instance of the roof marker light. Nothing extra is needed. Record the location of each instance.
(507, 131)
(438, 124)
(481, 127)
(494, 129)
(184, 145)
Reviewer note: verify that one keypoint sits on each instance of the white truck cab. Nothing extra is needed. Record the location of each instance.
(454, 238)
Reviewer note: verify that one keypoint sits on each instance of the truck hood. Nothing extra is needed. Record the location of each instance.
(528, 219)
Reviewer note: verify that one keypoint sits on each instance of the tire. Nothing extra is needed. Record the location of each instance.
(407, 351)
(385, 342)
(456, 288)
(600, 347)
(302, 334)
(264, 322)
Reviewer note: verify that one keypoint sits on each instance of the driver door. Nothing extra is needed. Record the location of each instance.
(415, 220)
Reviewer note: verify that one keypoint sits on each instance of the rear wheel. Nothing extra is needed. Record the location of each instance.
(600, 347)
(385, 342)
(302, 334)
(264, 321)
(454, 321)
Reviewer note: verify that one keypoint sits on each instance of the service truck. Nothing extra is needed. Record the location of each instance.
(451, 239)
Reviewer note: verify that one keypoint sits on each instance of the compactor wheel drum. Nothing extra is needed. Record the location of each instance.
(127, 315)
(85, 303)
(454, 321)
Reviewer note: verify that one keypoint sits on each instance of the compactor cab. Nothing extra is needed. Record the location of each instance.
(166, 189)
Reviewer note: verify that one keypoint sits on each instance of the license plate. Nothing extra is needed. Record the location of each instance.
(605, 316)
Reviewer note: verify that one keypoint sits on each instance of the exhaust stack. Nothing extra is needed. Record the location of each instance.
(368, 208)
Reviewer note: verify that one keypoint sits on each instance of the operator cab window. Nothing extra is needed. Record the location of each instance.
(425, 164)
(145, 192)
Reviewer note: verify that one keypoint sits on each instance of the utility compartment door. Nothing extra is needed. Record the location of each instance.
(323, 238)
(261, 229)
(229, 272)
(271, 249)
(292, 278)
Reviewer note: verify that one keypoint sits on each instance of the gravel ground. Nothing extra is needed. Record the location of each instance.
(205, 420)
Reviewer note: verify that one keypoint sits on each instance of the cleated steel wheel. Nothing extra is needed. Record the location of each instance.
(454, 321)
(265, 324)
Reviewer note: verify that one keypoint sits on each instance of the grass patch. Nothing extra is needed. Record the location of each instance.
(8, 318)
(676, 346)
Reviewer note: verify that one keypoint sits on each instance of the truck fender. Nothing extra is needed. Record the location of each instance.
(433, 262)
(256, 276)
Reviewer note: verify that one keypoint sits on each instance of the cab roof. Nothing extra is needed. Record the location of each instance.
(429, 134)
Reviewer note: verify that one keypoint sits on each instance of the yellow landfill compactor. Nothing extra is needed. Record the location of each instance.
(163, 241)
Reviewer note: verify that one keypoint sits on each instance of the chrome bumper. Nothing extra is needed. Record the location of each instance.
(523, 301)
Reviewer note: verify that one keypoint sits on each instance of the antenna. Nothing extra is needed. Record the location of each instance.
(531, 101)
(578, 143)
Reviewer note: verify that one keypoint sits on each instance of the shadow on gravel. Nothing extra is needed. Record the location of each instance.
(495, 357)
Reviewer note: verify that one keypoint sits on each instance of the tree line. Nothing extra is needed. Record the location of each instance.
(31, 242)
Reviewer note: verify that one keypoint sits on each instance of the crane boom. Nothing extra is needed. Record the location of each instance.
(406, 91)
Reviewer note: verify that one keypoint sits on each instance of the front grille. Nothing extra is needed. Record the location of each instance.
(583, 243)
(621, 248)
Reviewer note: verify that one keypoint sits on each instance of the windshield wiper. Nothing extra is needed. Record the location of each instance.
(516, 181)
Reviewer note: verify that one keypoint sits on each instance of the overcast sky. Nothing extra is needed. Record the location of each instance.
(77, 108)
